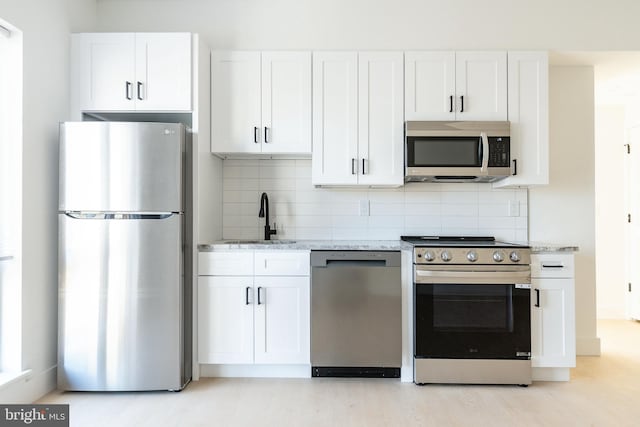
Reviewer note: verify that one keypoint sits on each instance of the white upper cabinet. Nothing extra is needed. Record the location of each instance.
(430, 81)
(380, 119)
(335, 118)
(481, 85)
(456, 85)
(529, 117)
(235, 102)
(358, 119)
(261, 102)
(131, 71)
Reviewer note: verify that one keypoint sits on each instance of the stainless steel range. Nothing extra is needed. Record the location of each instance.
(472, 322)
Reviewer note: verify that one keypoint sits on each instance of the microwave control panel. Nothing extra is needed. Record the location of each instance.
(499, 155)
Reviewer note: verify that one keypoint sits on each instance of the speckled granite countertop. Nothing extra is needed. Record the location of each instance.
(542, 247)
(344, 245)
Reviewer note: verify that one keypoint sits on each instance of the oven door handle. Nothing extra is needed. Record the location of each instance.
(473, 277)
(485, 151)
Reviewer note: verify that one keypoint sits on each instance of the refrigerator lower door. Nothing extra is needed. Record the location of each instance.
(121, 325)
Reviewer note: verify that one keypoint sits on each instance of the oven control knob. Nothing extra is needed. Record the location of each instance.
(472, 256)
(446, 256)
(429, 256)
(514, 256)
(498, 256)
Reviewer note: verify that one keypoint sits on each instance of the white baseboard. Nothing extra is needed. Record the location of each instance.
(256, 371)
(29, 388)
(588, 346)
(551, 374)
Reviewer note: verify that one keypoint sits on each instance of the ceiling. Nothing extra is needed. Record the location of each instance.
(616, 73)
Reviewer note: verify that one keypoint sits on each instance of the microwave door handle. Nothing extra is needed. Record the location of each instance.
(485, 151)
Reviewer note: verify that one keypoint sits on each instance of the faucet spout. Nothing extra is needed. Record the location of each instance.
(264, 213)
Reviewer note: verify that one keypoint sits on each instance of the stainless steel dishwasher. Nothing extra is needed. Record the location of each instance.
(356, 314)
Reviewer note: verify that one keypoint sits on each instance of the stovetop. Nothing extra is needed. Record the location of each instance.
(460, 241)
(461, 250)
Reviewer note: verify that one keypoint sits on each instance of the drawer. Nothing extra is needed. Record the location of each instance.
(281, 263)
(227, 263)
(552, 265)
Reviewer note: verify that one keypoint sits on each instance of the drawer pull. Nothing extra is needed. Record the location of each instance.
(552, 266)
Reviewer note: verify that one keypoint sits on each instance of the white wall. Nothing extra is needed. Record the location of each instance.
(385, 24)
(45, 25)
(564, 210)
(610, 211)
(302, 211)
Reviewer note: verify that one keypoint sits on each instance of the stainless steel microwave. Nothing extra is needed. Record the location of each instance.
(457, 151)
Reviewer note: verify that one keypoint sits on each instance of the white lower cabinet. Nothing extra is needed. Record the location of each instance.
(225, 320)
(553, 335)
(260, 318)
(281, 333)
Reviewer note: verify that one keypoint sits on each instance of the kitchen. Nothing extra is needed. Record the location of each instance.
(323, 31)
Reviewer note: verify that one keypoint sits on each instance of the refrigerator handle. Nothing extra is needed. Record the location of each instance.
(118, 215)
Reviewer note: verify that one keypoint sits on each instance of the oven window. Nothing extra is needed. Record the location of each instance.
(471, 321)
(485, 308)
(444, 151)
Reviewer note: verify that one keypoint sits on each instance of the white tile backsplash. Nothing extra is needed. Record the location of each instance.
(302, 211)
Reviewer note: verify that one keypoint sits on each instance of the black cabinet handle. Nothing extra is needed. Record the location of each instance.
(140, 91)
(127, 92)
(451, 104)
(259, 291)
(266, 135)
(353, 166)
(537, 297)
(363, 172)
(255, 134)
(462, 103)
(515, 167)
(246, 295)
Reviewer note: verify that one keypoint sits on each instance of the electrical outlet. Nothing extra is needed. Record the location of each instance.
(364, 207)
(514, 208)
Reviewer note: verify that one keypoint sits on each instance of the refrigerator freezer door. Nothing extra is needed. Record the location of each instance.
(120, 304)
(120, 166)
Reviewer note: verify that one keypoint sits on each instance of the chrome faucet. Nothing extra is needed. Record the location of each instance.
(264, 213)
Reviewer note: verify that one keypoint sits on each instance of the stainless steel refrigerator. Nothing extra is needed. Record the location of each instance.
(124, 320)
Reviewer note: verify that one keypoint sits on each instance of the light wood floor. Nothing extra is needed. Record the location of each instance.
(603, 391)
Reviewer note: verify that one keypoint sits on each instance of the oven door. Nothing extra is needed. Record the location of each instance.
(472, 313)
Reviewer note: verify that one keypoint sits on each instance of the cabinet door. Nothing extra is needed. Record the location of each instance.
(553, 328)
(282, 320)
(335, 118)
(163, 71)
(235, 102)
(481, 86)
(529, 117)
(380, 118)
(225, 319)
(103, 67)
(286, 102)
(429, 85)
(632, 235)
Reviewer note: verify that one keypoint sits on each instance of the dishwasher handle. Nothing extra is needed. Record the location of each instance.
(351, 258)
